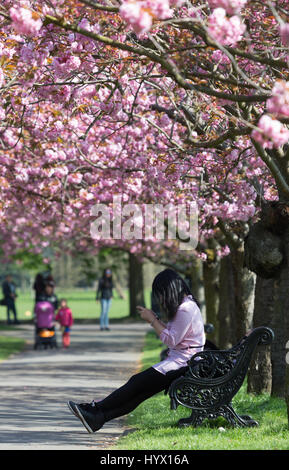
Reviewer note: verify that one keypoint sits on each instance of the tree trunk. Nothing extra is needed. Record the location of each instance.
(287, 383)
(136, 285)
(287, 366)
(267, 254)
(282, 299)
(244, 287)
(118, 288)
(260, 370)
(211, 269)
(280, 325)
(197, 284)
(226, 311)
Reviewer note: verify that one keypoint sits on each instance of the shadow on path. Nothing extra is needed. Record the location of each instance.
(35, 386)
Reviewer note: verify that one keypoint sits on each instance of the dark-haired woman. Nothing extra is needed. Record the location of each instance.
(104, 294)
(183, 334)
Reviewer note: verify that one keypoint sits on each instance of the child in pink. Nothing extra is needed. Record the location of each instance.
(64, 317)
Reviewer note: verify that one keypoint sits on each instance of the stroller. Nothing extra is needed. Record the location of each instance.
(45, 334)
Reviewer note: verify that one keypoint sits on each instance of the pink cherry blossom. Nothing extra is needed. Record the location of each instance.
(21, 174)
(65, 64)
(2, 113)
(75, 178)
(159, 9)
(231, 6)
(69, 143)
(219, 56)
(25, 21)
(271, 133)
(227, 31)
(176, 3)
(139, 19)
(140, 14)
(2, 78)
(279, 102)
(284, 32)
(86, 195)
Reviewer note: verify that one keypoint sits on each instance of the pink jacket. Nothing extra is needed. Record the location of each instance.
(186, 329)
(64, 317)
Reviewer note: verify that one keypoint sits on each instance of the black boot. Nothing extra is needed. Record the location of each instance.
(89, 414)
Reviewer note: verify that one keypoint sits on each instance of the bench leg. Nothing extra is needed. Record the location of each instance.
(239, 420)
(227, 412)
(194, 420)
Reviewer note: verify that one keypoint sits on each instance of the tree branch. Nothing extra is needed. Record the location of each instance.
(155, 57)
(230, 134)
(232, 239)
(282, 184)
(98, 6)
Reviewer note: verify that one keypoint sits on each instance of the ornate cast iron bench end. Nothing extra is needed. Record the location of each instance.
(213, 378)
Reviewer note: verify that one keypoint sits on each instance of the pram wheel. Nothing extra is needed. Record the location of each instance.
(45, 338)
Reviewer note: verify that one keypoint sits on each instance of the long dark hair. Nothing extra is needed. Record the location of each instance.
(107, 281)
(169, 289)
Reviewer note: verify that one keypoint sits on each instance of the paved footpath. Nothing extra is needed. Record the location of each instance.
(35, 386)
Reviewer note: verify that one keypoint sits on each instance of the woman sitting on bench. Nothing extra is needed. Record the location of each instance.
(183, 334)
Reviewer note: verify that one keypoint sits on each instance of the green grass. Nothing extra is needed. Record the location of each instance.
(82, 303)
(155, 424)
(9, 345)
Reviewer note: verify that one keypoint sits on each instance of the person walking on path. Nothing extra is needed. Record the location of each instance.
(105, 294)
(183, 334)
(64, 317)
(48, 295)
(9, 293)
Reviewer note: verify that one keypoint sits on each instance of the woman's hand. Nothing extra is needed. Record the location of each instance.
(150, 317)
(146, 314)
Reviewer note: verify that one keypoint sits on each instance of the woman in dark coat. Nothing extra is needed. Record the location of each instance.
(104, 294)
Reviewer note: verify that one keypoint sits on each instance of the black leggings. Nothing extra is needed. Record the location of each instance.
(139, 387)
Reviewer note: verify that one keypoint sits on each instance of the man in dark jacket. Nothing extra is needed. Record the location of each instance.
(9, 293)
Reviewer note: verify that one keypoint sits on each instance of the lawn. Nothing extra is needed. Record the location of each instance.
(155, 424)
(82, 303)
(9, 345)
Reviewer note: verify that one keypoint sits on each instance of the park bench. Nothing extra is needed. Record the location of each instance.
(213, 378)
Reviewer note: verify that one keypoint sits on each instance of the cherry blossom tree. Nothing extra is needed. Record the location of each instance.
(159, 101)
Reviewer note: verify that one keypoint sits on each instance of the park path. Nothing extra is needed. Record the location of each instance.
(35, 386)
